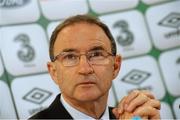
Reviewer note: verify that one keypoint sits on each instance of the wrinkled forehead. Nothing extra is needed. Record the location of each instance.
(81, 37)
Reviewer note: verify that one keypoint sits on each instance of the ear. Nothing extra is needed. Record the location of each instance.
(117, 65)
(52, 71)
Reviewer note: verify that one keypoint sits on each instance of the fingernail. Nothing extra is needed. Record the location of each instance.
(128, 109)
(125, 106)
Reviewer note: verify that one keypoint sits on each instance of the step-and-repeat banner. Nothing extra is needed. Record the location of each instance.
(147, 33)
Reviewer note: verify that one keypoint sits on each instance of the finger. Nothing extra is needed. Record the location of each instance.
(131, 96)
(119, 110)
(147, 111)
(156, 117)
(135, 93)
(115, 112)
(126, 116)
(144, 117)
(121, 105)
(138, 101)
(148, 94)
(153, 103)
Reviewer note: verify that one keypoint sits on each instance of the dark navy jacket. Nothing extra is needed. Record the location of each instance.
(57, 111)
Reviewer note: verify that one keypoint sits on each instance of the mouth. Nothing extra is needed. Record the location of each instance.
(87, 83)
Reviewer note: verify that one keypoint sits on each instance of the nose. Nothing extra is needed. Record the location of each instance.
(84, 67)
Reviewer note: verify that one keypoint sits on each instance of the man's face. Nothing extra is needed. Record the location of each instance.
(83, 82)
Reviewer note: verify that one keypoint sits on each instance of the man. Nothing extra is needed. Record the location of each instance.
(83, 65)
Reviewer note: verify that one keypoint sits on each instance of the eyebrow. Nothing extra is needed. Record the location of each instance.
(97, 48)
(91, 49)
(69, 50)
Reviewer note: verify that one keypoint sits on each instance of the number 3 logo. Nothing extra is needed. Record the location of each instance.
(125, 36)
(27, 53)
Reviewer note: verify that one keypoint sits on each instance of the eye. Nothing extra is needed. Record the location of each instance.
(70, 56)
(96, 54)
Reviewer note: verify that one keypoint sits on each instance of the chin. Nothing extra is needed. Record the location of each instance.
(88, 97)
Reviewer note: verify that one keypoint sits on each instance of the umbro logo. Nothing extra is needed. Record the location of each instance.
(13, 3)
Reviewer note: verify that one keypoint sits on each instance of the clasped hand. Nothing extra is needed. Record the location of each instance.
(138, 103)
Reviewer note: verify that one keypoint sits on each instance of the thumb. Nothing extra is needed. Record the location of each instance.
(115, 112)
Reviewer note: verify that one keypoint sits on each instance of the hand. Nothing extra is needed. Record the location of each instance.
(138, 103)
